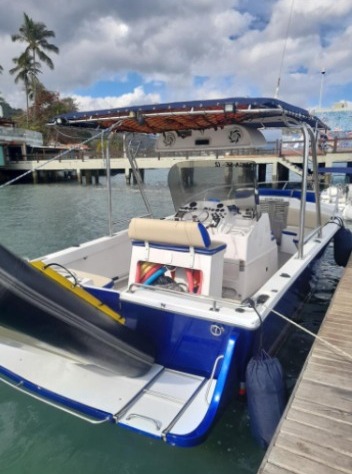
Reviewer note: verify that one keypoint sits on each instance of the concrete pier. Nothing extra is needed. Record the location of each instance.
(85, 167)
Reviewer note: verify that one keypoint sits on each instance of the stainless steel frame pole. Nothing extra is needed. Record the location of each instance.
(302, 215)
(313, 142)
(108, 181)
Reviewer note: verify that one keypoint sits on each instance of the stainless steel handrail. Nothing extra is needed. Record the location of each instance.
(55, 405)
(217, 360)
(157, 423)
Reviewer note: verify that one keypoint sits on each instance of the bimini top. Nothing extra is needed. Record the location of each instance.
(194, 115)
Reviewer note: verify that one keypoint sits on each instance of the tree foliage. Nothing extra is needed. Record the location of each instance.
(35, 35)
(7, 110)
(1, 69)
(116, 146)
(46, 105)
(26, 71)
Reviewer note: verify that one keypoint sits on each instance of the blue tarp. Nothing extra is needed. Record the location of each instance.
(335, 169)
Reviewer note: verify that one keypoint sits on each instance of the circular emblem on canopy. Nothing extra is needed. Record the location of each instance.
(235, 135)
(169, 139)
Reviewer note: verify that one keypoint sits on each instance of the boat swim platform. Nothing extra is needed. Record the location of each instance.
(314, 435)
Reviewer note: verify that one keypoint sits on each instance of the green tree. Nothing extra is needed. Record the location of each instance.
(48, 104)
(116, 146)
(26, 71)
(8, 111)
(35, 35)
(1, 98)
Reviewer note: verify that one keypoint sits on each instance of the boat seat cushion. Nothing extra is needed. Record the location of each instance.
(181, 245)
(178, 233)
(310, 219)
(91, 279)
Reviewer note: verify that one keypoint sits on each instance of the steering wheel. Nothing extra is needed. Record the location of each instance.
(206, 212)
(196, 215)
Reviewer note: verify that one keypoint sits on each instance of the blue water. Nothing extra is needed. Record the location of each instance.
(38, 439)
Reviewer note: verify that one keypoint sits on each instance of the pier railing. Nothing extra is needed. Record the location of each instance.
(278, 148)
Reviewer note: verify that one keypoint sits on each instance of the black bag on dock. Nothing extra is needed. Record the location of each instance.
(266, 396)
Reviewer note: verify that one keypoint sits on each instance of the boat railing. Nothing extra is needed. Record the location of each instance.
(211, 303)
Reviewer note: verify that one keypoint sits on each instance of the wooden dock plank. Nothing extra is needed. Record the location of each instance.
(327, 376)
(343, 340)
(336, 331)
(330, 412)
(315, 433)
(308, 450)
(330, 361)
(297, 463)
(322, 350)
(273, 469)
(328, 424)
(330, 401)
(338, 319)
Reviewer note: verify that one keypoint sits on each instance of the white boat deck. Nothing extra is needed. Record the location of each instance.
(153, 403)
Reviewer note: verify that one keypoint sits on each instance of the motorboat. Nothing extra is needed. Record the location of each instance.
(152, 327)
(338, 191)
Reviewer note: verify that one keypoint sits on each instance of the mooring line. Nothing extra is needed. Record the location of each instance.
(315, 336)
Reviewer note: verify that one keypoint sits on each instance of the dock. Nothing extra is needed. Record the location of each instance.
(314, 435)
(22, 153)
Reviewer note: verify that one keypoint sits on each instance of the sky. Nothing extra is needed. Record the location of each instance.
(117, 53)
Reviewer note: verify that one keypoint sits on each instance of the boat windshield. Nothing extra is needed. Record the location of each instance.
(214, 180)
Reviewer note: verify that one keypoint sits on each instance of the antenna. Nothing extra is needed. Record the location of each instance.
(284, 52)
(323, 72)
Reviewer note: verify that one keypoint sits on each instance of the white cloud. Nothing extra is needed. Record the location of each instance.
(176, 41)
(138, 96)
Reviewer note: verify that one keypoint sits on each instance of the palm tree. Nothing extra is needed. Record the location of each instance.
(36, 35)
(1, 98)
(27, 71)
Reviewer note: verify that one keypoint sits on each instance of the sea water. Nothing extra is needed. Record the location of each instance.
(38, 439)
